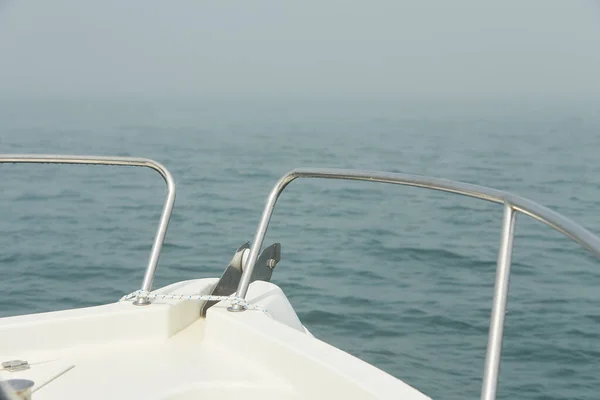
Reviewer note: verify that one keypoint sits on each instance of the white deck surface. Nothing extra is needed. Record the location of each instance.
(165, 351)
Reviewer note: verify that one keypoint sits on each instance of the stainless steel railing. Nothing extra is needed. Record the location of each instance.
(512, 205)
(118, 161)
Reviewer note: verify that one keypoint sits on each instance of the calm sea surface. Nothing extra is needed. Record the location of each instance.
(401, 277)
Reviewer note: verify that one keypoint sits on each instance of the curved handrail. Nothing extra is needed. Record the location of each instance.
(512, 204)
(116, 161)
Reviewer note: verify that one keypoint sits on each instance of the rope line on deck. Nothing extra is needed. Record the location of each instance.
(203, 297)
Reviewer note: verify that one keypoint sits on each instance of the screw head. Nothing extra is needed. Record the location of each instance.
(236, 308)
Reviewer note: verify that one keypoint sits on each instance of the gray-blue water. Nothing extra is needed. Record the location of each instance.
(400, 277)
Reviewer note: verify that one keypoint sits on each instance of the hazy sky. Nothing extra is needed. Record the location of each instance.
(390, 48)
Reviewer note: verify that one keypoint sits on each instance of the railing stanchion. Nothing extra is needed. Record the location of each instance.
(494, 347)
(118, 161)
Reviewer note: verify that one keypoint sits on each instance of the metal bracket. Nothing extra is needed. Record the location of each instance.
(265, 264)
(15, 365)
(230, 279)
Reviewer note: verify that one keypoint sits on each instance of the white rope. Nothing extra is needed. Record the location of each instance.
(204, 297)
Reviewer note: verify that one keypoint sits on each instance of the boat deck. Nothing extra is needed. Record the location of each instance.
(182, 367)
(165, 351)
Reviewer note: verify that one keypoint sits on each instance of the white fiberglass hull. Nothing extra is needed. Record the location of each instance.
(166, 351)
